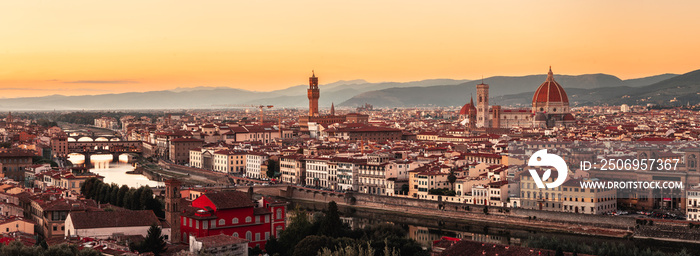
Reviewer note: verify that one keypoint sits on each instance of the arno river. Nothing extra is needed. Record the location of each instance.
(426, 230)
(115, 172)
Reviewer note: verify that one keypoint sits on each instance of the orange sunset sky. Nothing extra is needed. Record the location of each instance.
(73, 47)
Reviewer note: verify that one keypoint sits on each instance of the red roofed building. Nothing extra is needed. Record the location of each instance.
(365, 132)
(233, 213)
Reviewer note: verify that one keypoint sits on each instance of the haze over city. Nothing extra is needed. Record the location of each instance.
(88, 47)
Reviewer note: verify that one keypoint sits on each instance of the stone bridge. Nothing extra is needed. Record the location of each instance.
(113, 147)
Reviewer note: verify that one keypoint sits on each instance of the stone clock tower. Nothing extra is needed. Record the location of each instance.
(314, 94)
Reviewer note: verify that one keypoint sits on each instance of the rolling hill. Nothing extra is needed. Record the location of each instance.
(507, 91)
(592, 89)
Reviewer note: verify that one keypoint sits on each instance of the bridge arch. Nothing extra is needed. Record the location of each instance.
(83, 139)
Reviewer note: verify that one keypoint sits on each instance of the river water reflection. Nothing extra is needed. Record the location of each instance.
(116, 173)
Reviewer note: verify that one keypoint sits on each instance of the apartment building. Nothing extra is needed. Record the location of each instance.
(254, 162)
(293, 169)
(317, 172)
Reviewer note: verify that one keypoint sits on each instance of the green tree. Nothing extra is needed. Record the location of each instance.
(146, 197)
(452, 178)
(156, 206)
(120, 195)
(331, 225)
(94, 190)
(154, 242)
(87, 189)
(14, 248)
(273, 246)
(104, 193)
(136, 199)
(62, 250)
(273, 167)
(113, 193)
(310, 245)
(89, 252)
(255, 251)
(299, 227)
(128, 198)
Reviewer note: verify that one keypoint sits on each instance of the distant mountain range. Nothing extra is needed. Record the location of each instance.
(503, 90)
(206, 97)
(590, 89)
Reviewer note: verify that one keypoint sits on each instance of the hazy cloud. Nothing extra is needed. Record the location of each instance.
(101, 82)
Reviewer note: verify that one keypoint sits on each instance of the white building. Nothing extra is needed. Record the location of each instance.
(317, 172)
(346, 174)
(254, 162)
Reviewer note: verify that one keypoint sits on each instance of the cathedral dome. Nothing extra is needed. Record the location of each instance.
(550, 92)
(468, 108)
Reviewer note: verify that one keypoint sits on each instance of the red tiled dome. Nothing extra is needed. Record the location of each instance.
(550, 91)
(468, 108)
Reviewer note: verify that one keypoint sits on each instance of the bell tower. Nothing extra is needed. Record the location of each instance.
(172, 209)
(314, 94)
(482, 105)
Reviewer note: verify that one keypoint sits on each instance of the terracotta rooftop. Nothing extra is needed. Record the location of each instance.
(103, 219)
(229, 199)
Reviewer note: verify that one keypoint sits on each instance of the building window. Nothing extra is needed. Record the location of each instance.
(235, 234)
(248, 219)
(222, 222)
(249, 236)
(235, 221)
